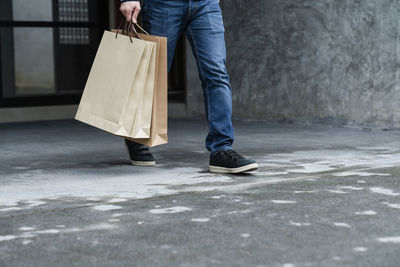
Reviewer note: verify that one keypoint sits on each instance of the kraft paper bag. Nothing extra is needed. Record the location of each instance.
(109, 86)
(138, 110)
(159, 119)
(142, 123)
(159, 124)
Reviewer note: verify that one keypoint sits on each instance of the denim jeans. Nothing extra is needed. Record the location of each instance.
(201, 21)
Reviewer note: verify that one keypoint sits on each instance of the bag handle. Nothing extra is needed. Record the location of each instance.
(132, 25)
(126, 29)
(130, 28)
(137, 25)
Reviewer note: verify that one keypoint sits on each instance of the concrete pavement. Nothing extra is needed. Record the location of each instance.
(324, 196)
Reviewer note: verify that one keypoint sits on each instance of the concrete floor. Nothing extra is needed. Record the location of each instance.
(323, 196)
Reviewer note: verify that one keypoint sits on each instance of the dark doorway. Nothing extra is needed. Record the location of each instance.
(46, 53)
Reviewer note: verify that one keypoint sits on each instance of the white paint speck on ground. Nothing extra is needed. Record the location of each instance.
(34, 203)
(20, 168)
(341, 224)
(314, 167)
(304, 192)
(176, 209)
(10, 209)
(117, 200)
(391, 239)
(47, 231)
(336, 191)
(139, 222)
(99, 226)
(384, 191)
(8, 204)
(26, 235)
(218, 197)
(7, 237)
(26, 228)
(360, 249)
(352, 188)
(367, 212)
(359, 173)
(238, 211)
(299, 224)
(107, 207)
(361, 182)
(26, 242)
(283, 201)
(245, 235)
(32, 234)
(392, 205)
(233, 212)
(200, 220)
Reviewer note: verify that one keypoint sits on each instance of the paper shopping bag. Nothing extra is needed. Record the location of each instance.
(143, 116)
(138, 110)
(159, 125)
(159, 120)
(109, 86)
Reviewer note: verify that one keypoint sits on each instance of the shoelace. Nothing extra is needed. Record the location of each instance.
(144, 150)
(232, 154)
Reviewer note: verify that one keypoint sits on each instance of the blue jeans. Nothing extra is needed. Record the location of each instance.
(201, 21)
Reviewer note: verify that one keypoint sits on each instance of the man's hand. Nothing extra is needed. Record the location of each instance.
(130, 9)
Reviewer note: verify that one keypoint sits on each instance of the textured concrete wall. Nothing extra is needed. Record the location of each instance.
(310, 60)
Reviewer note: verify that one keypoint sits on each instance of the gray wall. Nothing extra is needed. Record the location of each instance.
(311, 60)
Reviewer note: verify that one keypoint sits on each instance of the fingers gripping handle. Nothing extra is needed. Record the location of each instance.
(129, 27)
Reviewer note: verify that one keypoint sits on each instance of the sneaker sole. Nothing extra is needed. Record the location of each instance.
(143, 163)
(246, 168)
(140, 163)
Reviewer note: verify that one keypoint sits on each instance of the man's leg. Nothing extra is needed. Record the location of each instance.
(165, 18)
(162, 18)
(205, 31)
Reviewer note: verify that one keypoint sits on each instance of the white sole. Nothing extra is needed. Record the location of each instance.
(140, 163)
(246, 168)
(143, 163)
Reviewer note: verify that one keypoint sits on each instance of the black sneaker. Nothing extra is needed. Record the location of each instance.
(139, 154)
(229, 161)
